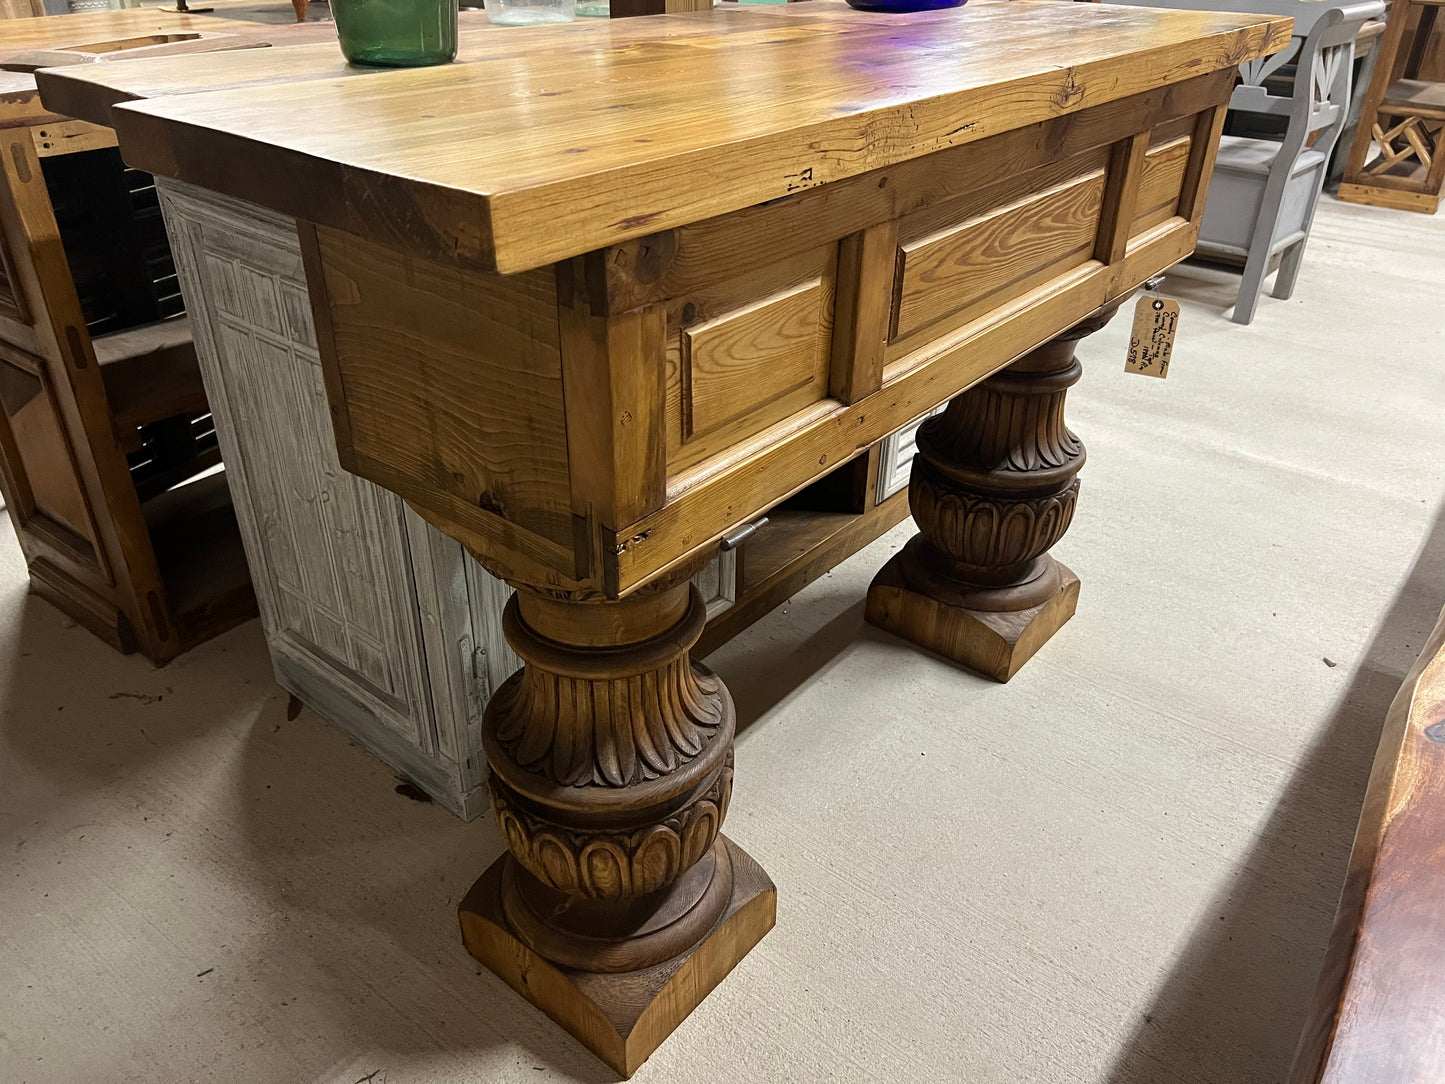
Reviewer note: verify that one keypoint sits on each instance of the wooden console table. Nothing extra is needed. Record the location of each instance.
(596, 296)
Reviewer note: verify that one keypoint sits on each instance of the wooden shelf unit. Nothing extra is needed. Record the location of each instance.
(101, 407)
(1397, 158)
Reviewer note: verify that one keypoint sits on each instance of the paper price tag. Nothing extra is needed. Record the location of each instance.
(1156, 319)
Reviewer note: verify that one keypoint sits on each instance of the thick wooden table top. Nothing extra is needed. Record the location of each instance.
(92, 38)
(546, 142)
(91, 28)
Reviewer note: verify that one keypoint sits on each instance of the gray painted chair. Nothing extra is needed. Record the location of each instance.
(1262, 200)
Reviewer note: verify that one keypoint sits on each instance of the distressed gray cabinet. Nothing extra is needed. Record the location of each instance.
(896, 457)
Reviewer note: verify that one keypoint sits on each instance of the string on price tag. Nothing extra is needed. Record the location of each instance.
(1156, 319)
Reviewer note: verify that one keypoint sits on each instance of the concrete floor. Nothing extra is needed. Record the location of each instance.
(1119, 868)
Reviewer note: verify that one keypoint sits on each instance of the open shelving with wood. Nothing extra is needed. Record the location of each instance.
(805, 536)
(108, 455)
(108, 450)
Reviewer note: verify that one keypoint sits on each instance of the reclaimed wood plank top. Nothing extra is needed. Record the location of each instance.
(89, 92)
(93, 39)
(546, 142)
(91, 28)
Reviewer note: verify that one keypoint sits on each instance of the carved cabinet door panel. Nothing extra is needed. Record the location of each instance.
(328, 552)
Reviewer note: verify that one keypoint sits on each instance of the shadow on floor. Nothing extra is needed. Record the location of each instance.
(800, 642)
(764, 675)
(376, 877)
(1207, 285)
(1231, 1009)
(72, 706)
(331, 924)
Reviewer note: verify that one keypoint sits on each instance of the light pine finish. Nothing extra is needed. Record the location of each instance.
(706, 499)
(1404, 115)
(553, 194)
(632, 309)
(1379, 1010)
(984, 259)
(493, 366)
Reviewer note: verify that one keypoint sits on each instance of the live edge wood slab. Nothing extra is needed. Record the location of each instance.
(1379, 1011)
(597, 295)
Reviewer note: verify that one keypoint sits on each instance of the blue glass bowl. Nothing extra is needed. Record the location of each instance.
(904, 5)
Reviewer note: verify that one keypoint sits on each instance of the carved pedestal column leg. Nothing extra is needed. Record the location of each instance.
(619, 905)
(993, 488)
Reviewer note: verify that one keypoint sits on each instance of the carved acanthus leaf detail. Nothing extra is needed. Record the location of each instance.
(613, 865)
(986, 531)
(1008, 424)
(608, 732)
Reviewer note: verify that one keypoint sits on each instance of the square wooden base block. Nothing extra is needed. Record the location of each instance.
(993, 644)
(622, 1018)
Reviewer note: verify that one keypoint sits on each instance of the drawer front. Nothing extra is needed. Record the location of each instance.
(745, 358)
(773, 355)
(1161, 184)
(714, 369)
(952, 272)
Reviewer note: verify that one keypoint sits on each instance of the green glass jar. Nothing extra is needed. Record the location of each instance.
(397, 33)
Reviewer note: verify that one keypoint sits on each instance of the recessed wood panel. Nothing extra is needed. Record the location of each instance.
(957, 273)
(741, 363)
(1160, 185)
(41, 450)
(732, 376)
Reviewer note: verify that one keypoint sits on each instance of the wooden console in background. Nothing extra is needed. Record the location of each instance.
(601, 324)
(105, 431)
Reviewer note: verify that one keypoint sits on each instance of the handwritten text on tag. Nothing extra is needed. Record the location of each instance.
(1156, 319)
